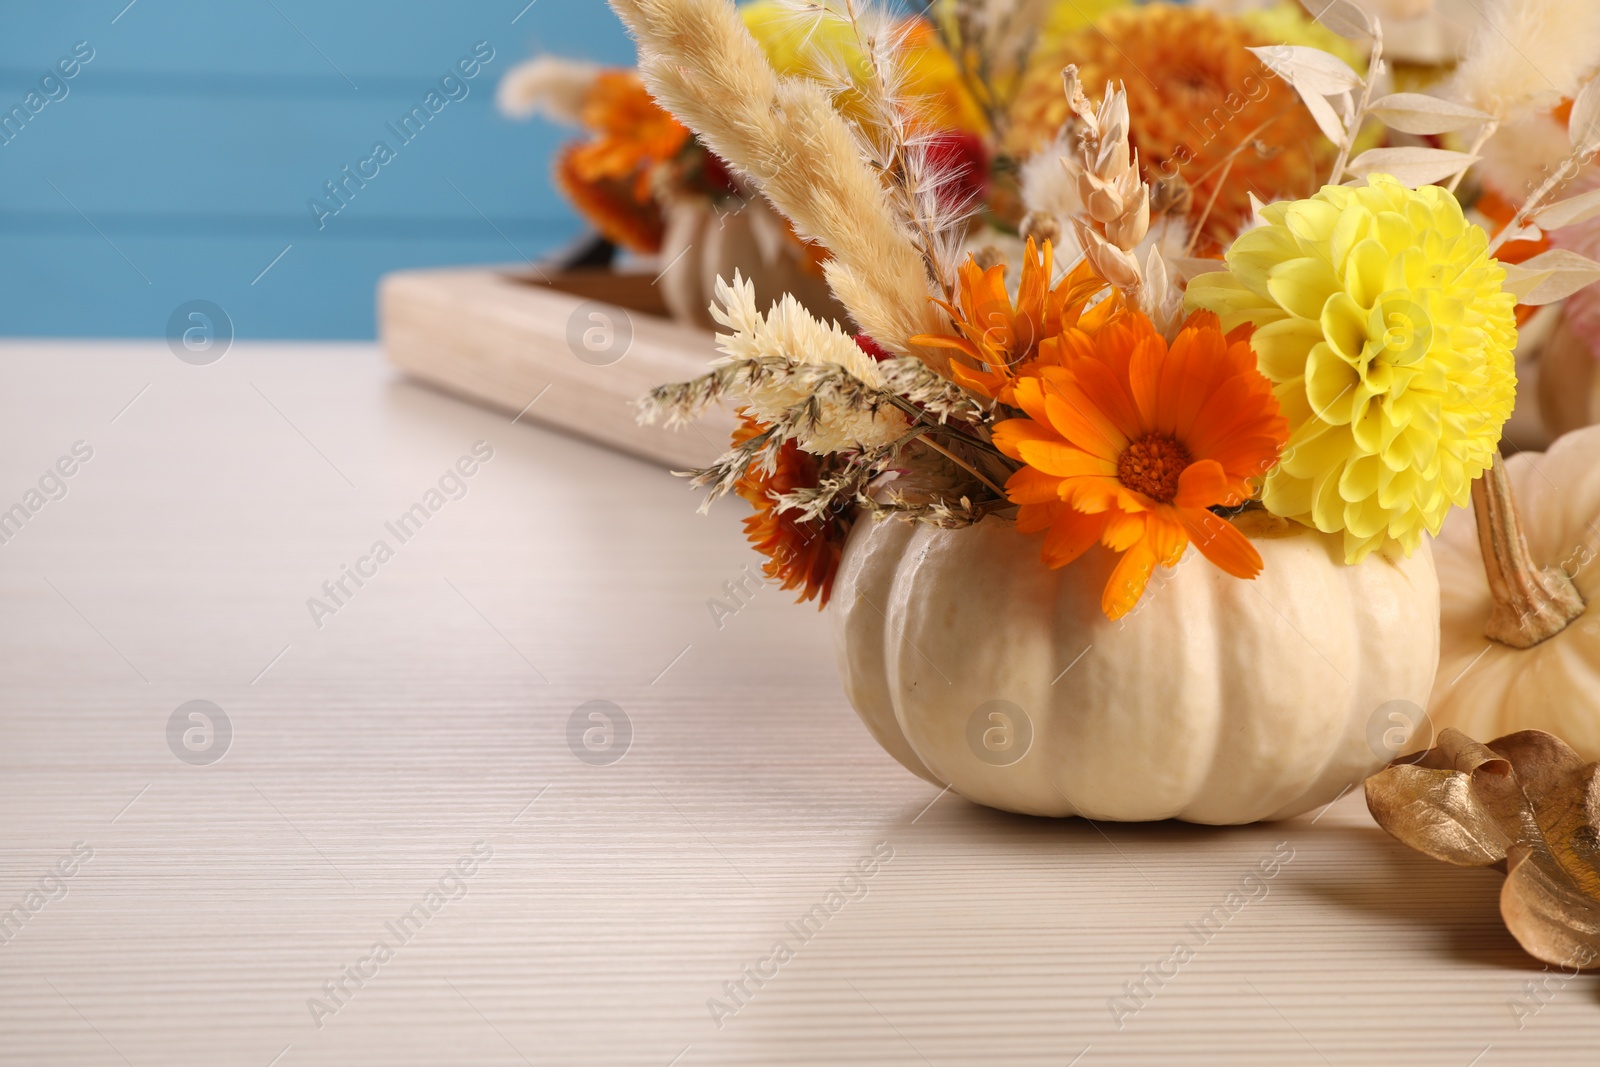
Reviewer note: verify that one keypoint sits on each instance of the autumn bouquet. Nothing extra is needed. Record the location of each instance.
(1130, 517)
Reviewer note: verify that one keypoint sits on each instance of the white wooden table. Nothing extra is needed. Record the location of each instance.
(428, 717)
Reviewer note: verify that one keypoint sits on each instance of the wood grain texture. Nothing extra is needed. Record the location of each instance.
(431, 712)
(496, 336)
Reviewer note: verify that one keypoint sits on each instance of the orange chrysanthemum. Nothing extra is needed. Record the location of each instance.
(1002, 341)
(609, 177)
(1133, 442)
(803, 554)
(632, 132)
(611, 206)
(1199, 99)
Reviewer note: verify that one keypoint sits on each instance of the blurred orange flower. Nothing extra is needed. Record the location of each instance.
(610, 176)
(1205, 108)
(632, 133)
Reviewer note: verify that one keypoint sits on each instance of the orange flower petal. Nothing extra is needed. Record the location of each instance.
(1034, 518)
(1010, 435)
(1221, 543)
(1167, 537)
(1062, 460)
(939, 340)
(1124, 530)
(1070, 536)
(1104, 383)
(1128, 581)
(1094, 495)
(1077, 419)
(1144, 382)
(1203, 484)
(1030, 486)
(980, 382)
(1029, 396)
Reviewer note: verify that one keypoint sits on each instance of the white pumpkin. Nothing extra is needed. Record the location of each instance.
(1216, 701)
(705, 241)
(1488, 689)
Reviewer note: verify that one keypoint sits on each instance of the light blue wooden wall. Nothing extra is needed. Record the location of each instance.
(180, 162)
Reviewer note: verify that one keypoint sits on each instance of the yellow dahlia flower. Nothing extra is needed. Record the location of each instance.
(1383, 323)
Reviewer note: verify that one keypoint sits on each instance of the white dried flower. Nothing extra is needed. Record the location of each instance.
(1529, 53)
(1522, 154)
(547, 85)
(788, 331)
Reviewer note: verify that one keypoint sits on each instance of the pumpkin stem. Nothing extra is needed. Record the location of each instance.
(1530, 604)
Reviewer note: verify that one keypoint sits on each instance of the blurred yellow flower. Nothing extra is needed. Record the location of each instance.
(796, 45)
(1383, 323)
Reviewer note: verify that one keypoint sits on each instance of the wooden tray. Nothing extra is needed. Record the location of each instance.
(574, 352)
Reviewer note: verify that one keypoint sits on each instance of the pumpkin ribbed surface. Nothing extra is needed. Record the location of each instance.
(1218, 701)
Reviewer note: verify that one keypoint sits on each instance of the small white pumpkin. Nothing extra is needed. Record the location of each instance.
(1216, 701)
(1486, 688)
(706, 241)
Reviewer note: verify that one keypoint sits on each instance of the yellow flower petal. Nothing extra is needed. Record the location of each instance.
(1302, 286)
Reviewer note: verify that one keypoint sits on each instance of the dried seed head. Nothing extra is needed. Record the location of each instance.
(988, 256)
(1041, 228)
(1127, 231)
(1171, 196)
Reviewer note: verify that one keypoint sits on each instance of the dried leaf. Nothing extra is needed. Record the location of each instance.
(1310, 69)
(1584, 125)
(1549, 920)
(1443, 803)
(1527, 799)
(1315, 79)
(1256, 204)
(1434, 812)
(1327, 120)
(1412, 166)
(1526, 232)
(1550, 276)
(1423, 114)
(1569, 212)
(1340, 16)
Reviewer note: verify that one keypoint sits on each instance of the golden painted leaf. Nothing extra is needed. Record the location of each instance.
(1429, 802)
(1526, 799)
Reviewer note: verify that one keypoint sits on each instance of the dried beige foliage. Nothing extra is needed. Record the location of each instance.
(1526, 804)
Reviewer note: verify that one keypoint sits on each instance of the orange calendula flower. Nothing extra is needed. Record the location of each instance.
(1133, 441)
(1002, 341)
(803, 554)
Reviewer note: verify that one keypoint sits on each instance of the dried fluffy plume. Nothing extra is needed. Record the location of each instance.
(1050, 190)
(875, 77)
(1518, 157)
(702, 64)
(550, 85)
(790, 332)
(1529, 53)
